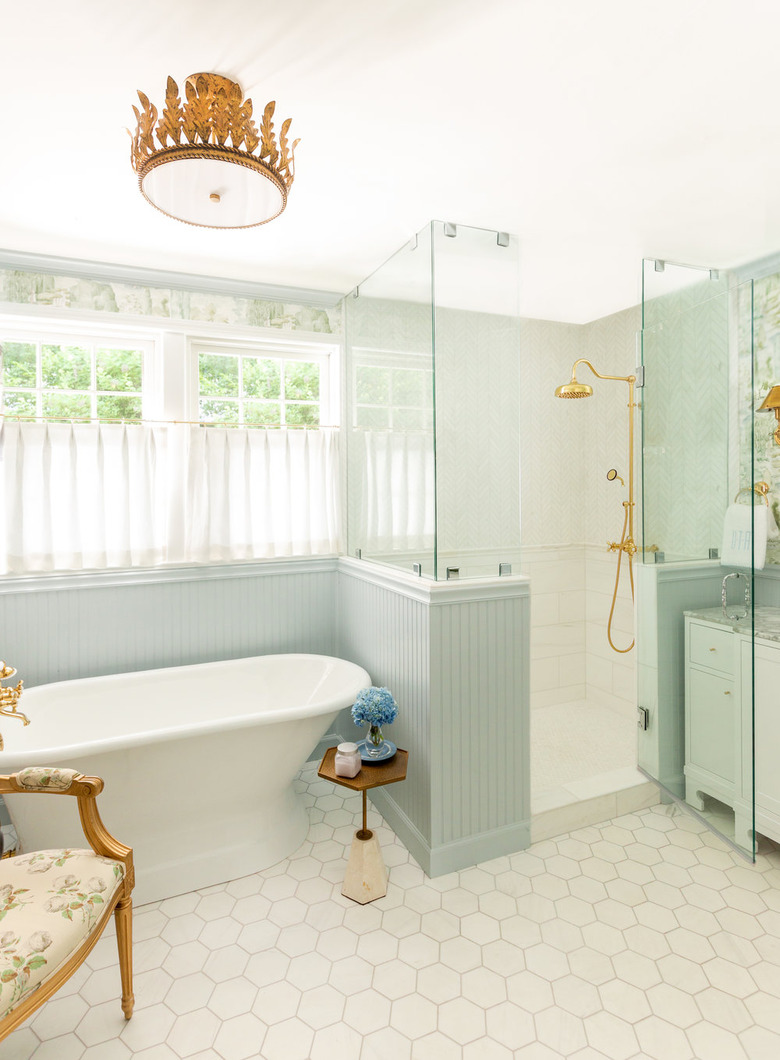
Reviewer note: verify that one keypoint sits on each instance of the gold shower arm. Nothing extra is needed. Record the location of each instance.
(620, 378)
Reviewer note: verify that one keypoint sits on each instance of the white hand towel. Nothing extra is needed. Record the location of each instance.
(744, 536)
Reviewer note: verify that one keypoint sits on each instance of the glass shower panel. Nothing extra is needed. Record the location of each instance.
(696, 584)
(685, 415)
(389, 412)
(476, 341)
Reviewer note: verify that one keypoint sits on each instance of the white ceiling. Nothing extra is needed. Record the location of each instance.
(598, 132)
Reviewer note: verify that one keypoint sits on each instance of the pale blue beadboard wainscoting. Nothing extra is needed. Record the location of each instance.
(454, 654)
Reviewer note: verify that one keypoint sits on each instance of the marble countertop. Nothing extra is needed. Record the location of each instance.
(767, 620)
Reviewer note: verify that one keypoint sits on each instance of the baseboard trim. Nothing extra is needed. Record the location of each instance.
(459, 854)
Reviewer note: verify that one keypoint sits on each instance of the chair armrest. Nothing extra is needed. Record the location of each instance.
(47, 780)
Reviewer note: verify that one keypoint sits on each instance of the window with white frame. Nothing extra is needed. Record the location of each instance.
(70, 376)
(232, 456)
(263, 387)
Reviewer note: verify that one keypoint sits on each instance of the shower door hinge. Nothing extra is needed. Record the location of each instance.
(639, 372)
(642, 718)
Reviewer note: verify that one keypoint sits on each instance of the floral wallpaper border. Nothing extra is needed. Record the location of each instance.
(20, 287)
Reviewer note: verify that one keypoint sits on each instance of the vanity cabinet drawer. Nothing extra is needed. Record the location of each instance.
(712, 647)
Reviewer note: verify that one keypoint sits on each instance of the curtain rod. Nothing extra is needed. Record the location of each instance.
(166, 423)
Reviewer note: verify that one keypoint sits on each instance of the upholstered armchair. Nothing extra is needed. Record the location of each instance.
(54, 904)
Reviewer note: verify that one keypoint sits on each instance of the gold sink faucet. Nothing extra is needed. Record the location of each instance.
(9, 697)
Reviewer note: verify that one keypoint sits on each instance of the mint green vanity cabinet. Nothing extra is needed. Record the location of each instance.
(713, 723)
(719, 721)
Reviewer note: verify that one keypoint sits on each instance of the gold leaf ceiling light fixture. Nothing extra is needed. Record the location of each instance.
(204, 161)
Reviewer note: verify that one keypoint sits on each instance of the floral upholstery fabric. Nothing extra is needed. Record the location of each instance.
(46, 778)
(50, 901)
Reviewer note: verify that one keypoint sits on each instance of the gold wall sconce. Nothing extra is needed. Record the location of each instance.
(771, 403)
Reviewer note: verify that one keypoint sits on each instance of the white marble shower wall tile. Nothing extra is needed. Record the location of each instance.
(562, 574)
(563, 638)
(624, 682)
(599, 676)
(569, 625)
(545, 675)
(610, 676)
(599, 605)
(561, 694)
(545, 607)
(557, 622)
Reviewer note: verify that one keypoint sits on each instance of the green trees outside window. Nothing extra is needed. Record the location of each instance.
(259, 391)
(62, 381)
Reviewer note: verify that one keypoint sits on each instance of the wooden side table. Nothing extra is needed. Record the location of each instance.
(366, 877)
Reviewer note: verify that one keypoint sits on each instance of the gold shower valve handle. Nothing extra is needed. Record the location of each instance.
(626, 546)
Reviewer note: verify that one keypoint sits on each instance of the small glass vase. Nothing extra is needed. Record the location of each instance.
(375, 741)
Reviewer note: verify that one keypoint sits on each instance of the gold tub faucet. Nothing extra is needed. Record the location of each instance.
(9, 697)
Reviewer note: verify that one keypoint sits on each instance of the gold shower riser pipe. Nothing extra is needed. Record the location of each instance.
(629, 545)
(626, 543)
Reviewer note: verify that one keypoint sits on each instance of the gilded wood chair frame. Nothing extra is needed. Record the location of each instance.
(85, 790)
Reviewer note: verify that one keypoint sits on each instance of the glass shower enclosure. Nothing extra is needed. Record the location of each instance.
(432, 420)
(706, 597)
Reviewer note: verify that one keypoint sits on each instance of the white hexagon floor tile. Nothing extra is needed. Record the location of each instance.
(642, 937)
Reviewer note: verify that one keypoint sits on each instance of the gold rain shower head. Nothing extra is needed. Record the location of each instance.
(574, 390)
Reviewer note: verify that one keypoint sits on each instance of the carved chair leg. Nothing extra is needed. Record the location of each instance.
(124, 940)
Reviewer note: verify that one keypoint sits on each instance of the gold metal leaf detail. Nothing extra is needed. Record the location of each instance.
(268, 147)
(170, 124)
(234, 114)
(251, 135)
(146, 123)
(199, 109)
(286, 170)
(220, 117)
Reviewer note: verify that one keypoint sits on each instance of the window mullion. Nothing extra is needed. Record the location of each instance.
(39, 378)
(283, 392)
(93, 381)
(241, 416)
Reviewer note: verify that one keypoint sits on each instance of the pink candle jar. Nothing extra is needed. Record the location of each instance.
(347, 760)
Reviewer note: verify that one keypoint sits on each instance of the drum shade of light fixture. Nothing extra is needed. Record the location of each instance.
(205, 162)
(771, 403)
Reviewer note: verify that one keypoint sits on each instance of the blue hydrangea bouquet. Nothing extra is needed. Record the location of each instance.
(375, 707)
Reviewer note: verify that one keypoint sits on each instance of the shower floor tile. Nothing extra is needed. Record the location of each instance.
(583, 768)
(578, 742)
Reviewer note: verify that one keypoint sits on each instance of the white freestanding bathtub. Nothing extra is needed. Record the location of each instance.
(198, 762)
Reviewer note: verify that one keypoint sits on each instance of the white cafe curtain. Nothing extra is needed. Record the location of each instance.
(86, 497)
(398, 488)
